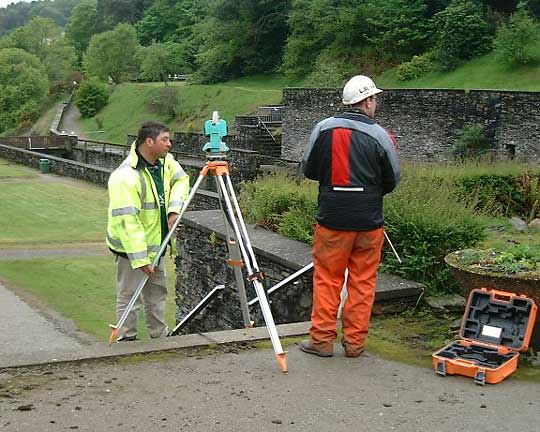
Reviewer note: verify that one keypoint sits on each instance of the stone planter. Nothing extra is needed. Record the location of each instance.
(470, 278)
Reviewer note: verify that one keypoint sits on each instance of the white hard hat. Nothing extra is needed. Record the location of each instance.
(358, 88)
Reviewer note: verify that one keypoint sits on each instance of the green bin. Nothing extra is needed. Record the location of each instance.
(44, 165)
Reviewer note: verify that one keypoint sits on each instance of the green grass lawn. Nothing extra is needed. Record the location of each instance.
(11, 170)
(43, 213)
(481, 73)
(128, 105)
(80, 288)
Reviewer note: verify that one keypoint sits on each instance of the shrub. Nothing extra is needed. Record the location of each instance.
(413, 215)
(462, 33)
(92, 96)
(417, 67)
(518, 41)
(416, 224)
(505, 194)
(164, 101)
(471, 142)
(267, 201)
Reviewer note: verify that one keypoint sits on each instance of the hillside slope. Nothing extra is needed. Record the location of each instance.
(130, 104)
(481, 73)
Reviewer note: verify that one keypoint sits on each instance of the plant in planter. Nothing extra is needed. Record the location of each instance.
(512, 268)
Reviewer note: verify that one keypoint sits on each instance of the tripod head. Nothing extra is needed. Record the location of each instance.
(216, 129)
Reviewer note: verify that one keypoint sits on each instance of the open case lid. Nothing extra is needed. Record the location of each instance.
(499, 318)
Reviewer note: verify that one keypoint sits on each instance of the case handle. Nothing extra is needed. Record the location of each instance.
(501, 295)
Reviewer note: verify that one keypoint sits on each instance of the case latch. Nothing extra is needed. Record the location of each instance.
(480, 377)
(441, 368)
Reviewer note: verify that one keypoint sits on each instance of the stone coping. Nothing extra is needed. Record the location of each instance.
(102, 350)
(295, 254)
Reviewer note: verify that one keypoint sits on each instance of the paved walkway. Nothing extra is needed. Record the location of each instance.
(242, 390)
(24, 330)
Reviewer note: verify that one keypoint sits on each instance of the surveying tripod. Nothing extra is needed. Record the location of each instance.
(240, 249)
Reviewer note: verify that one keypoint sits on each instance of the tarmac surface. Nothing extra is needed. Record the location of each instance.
(23, 329)
(239, 388)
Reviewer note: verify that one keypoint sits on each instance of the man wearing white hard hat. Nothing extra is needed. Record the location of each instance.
(355, 162)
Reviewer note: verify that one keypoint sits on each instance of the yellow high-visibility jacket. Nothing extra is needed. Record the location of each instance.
(134, 219)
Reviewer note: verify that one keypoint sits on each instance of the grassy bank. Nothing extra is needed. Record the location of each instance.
(130, 105)
(481, 73)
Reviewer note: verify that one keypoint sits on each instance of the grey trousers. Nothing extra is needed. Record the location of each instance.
(153, 297)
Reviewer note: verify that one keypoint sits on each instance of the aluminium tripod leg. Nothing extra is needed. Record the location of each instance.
(253, 276)
(235, 261)
(163, 247)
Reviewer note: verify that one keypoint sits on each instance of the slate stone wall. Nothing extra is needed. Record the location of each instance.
(426, 122)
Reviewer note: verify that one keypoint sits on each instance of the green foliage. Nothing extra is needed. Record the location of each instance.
(112, 54)
(510, 259)
(418, 66)
(398, 28)
(43, 38)
(518, 41)
(317, 25)
(423, 238)
(154, 63)
(329, 71)
(23, 88)
(164, 101)
(413, 221)
(462, 33)
(91, 96)
(268, 200)
(239, 38)
(471, 142)
(503, 194)
(18, 14)
(486, 72)
(110, 13)
(81, 26)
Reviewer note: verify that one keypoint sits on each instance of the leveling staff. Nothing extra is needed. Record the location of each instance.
(147, 192)
(354, 160)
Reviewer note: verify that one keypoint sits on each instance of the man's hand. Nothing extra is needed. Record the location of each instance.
(148, 270)
(171, 219)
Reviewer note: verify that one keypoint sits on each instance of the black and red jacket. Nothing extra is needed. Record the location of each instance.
(355, 162)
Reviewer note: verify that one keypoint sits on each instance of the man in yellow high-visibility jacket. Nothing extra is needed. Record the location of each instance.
(146, 192)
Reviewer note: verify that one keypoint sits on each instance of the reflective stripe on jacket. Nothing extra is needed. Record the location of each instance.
(134, 220)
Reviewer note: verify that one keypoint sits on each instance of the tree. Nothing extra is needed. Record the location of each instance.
(462, 33)
(91, 96)
(398, 29)
(518, 41)
(81, 26)
(43, 38)
(23, 88)
(155, 63)
(112, 54)
(110, 13)
(322, 28)
(241, 37)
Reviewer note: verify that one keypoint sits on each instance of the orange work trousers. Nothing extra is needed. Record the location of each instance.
(333, 252)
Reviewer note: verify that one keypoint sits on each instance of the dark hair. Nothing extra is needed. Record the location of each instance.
(150, 129)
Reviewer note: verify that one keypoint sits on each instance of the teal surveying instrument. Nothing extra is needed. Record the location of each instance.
(241, 252)
(215, 129)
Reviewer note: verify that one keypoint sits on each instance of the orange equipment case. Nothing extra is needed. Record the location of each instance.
(495, 327)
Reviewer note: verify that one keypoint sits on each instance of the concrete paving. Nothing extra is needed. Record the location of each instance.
(24, 330)
(240, 389)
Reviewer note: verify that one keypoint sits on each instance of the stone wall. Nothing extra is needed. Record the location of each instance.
(58, 165)
(204, 200)
(425, 122)
(201, 265)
